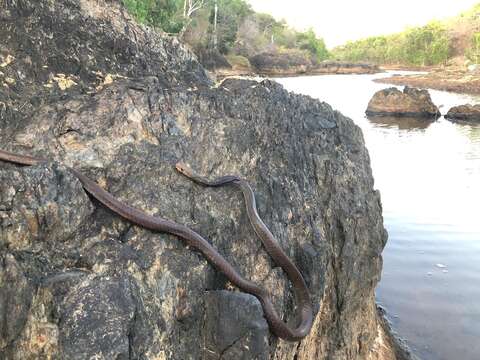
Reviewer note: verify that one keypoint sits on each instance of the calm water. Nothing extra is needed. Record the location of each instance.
(429, 178)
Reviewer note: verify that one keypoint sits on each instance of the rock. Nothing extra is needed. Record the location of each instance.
(77, 281)
(223, 308)
(342, 67)
(287, 62)
(464, 112)
(98, 43)
(390, 345)
(410, 103)
(294, 62)
(212, 59)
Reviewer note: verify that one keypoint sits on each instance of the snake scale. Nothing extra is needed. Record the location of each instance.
(192, 239)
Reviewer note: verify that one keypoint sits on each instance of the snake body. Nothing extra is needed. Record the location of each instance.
(191, 238)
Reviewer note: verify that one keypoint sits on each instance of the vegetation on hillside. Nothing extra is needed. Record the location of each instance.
(229, 26)
(473, 52)
(426, 45)
(433, 44)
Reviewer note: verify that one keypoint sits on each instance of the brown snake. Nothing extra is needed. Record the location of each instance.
(277, 326)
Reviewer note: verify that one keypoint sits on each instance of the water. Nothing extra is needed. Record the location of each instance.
(429, 178)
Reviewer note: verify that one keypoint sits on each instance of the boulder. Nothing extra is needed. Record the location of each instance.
(79, 282)
(464, 112)
(410, 103)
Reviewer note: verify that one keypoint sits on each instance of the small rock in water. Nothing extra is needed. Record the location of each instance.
(445, 271)
(441, 266)
(429, 273)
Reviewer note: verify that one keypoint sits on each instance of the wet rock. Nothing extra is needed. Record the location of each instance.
(409, 103)
(389, 344)
(86, 283)
(464, 112)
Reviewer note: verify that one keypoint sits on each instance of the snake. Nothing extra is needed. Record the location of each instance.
(192, 239)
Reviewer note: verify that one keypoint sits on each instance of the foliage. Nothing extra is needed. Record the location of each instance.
(240, 30)
(238, 61)
(164, 14)
(316, 47)
(231, 15)
(473, 53)
(426, 45)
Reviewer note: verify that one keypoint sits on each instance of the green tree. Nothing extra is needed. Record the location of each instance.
(316, 47)
(164, 14)
(231, 14)
(473, 53)
(427, 45)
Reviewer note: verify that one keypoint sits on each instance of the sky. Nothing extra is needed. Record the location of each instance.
(340, 20)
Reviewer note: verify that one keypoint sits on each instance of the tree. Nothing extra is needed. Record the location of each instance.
(191, 6)
(230, 15)
(473, 52)
(163, 14)
(316, 47)
(426, 45)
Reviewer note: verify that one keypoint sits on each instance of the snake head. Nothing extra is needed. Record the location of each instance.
(182, 168)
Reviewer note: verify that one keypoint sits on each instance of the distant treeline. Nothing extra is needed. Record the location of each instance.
(229, 26)
(427, 45)
(232, 28)
(433, 44)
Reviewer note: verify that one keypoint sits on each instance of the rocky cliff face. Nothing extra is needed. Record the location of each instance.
(78, 282)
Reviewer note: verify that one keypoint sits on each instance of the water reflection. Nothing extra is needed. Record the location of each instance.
(401, 123)
(429, 177)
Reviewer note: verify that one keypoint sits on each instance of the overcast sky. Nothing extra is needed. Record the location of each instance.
(340, 20)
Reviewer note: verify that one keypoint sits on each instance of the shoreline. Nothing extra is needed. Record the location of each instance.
(447, 79)
(332, 68)
(452, 80)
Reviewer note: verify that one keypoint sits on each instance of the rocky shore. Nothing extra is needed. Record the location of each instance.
(87, 87)
(454, 80)
(285, 65)
(282, 65)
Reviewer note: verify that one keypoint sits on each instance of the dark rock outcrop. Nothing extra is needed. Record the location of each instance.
(281, 63)
(464, 112)
(49, 50)
(409, 103)
(77, 281)
(212, 59)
